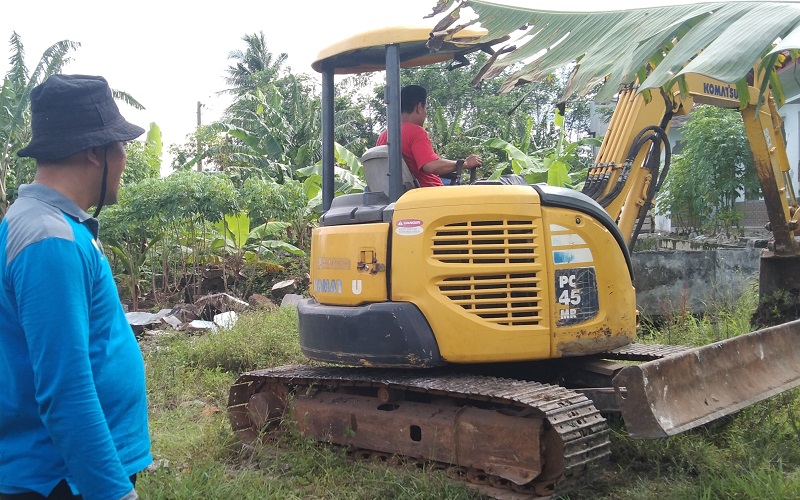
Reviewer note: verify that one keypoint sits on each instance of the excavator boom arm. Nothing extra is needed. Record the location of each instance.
(627, 171)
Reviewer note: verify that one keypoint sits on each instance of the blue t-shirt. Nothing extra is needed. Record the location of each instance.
(72, 387)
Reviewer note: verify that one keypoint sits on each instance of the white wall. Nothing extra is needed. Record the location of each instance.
(791, 127)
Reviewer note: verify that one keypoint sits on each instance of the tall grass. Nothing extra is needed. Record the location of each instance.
(258, 340)
(724, 319)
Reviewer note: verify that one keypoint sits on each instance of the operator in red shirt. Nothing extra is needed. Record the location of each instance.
(416, 147)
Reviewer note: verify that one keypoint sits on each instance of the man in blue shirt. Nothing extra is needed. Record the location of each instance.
(73, 409)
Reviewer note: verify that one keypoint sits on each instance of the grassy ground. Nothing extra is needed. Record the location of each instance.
(752, 455)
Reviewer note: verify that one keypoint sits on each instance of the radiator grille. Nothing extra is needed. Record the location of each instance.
(510, 297)
(485, 242)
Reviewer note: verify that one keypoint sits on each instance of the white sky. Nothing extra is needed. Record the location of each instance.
(170, 54)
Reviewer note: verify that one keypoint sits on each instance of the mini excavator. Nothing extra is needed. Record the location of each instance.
(490, 326)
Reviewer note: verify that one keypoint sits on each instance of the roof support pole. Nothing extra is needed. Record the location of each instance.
(393, 120)
(328, 160)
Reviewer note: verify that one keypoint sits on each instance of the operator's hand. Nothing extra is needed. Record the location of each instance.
(473, 161)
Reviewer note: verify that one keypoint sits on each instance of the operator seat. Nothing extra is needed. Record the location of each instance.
(376, 170)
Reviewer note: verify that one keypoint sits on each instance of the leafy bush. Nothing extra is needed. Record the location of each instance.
(714, 168)
(266, 201)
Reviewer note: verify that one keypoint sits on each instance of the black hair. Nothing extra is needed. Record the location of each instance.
(410, 96)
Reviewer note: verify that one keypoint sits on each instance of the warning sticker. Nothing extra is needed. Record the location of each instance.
(408, 227)
(408, 223)
(408, 231)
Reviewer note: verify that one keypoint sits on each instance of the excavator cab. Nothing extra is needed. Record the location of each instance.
(383, 50)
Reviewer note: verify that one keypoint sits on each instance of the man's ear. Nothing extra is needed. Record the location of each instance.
(93, 156)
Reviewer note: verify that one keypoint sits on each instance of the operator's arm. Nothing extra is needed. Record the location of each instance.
(428, 161)
(52, 283)
(443, 166)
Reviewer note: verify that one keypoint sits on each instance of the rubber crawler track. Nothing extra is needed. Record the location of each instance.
(582, 430)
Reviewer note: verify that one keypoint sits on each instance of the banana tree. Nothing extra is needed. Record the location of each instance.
(555, 165)
(15, 119)
(15, 105)
(240, 244)
(520, 162)
(656, 45)
(144, 158)
(276, 126)
(348, 176)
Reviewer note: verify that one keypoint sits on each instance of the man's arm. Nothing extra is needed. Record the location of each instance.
(443, 166)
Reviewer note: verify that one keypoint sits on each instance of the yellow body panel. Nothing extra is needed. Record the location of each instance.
(348, 264)
(479, 262)
(453, 263)
(581, 251)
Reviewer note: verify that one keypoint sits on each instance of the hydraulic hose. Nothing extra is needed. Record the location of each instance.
(653, 164)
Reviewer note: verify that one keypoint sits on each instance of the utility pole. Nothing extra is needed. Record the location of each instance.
(199, 123)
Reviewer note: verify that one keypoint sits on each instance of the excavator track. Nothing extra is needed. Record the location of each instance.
(559, 431)
(521, 436)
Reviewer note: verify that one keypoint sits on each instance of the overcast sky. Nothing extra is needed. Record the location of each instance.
(171, 54)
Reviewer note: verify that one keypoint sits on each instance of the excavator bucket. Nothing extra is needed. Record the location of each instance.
(778, 273)
(677, 393)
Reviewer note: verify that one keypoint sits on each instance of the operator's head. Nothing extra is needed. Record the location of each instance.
(414, 102)
(412, 96)
(75, 116)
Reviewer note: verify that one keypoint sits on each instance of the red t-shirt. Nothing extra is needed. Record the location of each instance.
(417, 151)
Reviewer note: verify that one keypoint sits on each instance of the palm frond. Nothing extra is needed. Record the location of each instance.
(256, 63)
(18, 72)
(127, 99)
(53, 59)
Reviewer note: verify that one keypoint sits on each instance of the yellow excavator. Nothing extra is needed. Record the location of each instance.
(481, 325)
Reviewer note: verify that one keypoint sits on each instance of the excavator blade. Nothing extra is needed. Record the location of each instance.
(677, 393)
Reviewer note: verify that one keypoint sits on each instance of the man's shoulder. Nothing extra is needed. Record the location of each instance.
(30, 221)
(413, 128)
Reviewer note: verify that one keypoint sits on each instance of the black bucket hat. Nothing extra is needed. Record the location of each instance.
(71, 113)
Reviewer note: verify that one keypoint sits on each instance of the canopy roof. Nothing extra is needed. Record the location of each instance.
(366, 52)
